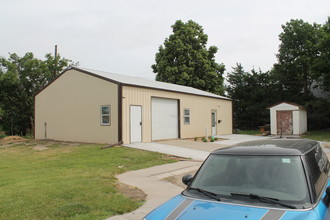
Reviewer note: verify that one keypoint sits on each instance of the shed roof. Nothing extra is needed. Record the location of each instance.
(146, 83)
(289, 103)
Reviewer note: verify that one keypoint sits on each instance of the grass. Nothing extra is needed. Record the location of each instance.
(249, 132)
(67, 182)
(323, 135)
(2, 134)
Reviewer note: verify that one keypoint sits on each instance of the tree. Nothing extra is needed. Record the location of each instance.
(298, 53)
(303, 64)
(252, 92)
(322, 64)
(318, 114)
(185, 60)
(20, 79)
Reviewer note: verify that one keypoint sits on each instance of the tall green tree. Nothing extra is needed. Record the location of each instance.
(298, 53)
(20, 79)
(184, 59)
(322, 64)
(303, 65)
(252, 92)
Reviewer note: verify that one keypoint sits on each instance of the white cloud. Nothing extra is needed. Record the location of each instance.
(124, 36)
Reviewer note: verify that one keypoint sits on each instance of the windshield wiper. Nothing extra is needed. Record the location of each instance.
(265, 199)
(208, 193)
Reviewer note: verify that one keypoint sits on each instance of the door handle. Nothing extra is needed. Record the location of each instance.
(140, 123)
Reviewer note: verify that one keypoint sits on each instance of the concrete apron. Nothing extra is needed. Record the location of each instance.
(150, 182)
(171, 150)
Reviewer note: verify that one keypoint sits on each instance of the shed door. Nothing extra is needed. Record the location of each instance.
(164, 118)
(284, 122)
(136, 123)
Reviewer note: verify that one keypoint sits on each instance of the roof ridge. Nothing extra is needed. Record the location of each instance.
(150, 83)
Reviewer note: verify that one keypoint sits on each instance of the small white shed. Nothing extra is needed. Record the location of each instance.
(288, 119)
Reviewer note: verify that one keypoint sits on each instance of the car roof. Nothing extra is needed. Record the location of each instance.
(279, 146)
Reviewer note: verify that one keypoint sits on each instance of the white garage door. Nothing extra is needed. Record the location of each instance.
(164, 118)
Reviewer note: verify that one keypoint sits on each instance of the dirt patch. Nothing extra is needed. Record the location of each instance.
(177, 180)
(39, 145)
(131, 192)
(12, 138)
(325, 144)
(177, 158)
(40, 148)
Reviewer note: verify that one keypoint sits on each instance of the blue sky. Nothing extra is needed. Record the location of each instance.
(123, 36)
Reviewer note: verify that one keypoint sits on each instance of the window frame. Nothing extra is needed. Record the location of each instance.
(318, 178)
(102, 115)
(186, 116)
(206, 174)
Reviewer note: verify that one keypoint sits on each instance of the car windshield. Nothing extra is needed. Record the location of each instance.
(280, 177)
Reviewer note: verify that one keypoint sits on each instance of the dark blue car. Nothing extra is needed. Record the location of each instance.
(269, 179)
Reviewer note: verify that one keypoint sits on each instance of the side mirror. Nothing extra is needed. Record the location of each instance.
(186, 179)
(326, 198)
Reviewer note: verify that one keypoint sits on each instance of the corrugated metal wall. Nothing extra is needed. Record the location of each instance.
(200, 111)
(70, 107)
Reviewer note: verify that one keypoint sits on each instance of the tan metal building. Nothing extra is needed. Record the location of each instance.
(93, 106)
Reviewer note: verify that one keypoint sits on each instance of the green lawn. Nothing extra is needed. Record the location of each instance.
(249, 132)
(323, 135)
(318, 135)
(65, 181)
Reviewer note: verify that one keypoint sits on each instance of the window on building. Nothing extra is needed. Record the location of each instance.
(105, 114)
(186, 116)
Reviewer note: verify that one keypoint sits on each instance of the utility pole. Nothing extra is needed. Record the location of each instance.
(55, 63)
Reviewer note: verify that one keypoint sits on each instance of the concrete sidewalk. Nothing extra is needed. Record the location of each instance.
(150, 182)
(231, 139)
(171, 150)
(192, 149)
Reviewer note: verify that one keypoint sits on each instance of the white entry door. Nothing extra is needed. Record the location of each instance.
(214, 123)
(136, 123)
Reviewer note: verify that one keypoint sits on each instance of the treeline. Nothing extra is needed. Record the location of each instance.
(301, 75)
(20, 79)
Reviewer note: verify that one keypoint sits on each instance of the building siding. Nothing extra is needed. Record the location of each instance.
(71, 108)
(200, 112)
(299, 118)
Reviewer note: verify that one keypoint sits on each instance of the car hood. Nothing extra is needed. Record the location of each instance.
(183, 208)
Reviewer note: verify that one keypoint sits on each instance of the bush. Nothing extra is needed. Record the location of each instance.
(318, 114)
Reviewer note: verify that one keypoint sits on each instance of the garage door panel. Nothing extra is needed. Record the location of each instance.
(164, 118)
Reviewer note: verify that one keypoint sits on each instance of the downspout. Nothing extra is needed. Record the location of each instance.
(120, 113)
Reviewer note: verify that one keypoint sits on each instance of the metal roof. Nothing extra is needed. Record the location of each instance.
(149, 83)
